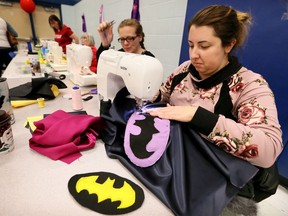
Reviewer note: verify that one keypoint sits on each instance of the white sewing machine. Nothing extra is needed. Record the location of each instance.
(79, 59)
(141, 74)
(54, 56)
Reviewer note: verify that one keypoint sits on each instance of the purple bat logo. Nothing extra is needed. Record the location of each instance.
(146, 138)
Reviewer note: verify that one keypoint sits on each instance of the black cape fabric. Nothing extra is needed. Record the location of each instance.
(193, 177)
(37, 88)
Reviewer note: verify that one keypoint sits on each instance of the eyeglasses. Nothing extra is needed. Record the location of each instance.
(128, 39)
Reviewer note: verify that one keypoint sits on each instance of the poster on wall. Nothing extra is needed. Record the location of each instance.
(265, 52)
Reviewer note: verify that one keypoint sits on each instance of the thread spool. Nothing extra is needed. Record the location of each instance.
(41, 102)
(77, 103)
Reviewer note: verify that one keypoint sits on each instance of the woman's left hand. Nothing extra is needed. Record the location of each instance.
(178, 113)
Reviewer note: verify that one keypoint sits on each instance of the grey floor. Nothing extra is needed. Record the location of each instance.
(276, 205)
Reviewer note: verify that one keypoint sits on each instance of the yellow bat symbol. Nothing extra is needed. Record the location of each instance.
(126, 194)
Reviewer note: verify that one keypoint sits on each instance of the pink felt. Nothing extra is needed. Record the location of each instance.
(62, 135)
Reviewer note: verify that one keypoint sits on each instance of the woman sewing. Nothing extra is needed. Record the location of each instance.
(131, 37)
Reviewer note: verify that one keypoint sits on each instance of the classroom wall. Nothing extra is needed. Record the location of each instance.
(20, 21)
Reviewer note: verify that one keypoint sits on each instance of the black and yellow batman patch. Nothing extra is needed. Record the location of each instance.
(106, 193)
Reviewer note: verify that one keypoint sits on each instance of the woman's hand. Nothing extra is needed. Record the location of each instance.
(105, 31)
(178, 113)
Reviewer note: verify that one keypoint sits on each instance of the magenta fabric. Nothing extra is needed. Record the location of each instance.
(61, 135)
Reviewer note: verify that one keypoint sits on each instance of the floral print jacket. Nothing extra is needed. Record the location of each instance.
(236, 111)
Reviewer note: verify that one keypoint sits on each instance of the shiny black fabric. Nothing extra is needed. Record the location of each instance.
(193, 177)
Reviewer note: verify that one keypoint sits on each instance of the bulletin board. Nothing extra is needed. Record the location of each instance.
(265, 52)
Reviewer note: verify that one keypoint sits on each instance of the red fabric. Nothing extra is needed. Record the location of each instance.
(93, 66)
(63, 37)
(62, 135)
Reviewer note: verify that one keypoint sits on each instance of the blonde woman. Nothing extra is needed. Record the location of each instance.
(88, 40)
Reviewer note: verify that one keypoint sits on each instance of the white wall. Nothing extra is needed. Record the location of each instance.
(162, 21)
(69, 17)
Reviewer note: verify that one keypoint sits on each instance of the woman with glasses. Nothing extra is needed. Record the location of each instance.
(131, 37)
(88, 40)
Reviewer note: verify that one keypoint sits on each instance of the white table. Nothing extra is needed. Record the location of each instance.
(16, 75)
(34, 185)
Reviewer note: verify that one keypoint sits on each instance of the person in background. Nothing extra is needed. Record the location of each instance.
(228, 104)
(131, 37)
(5, 47)
(63, 34)
(88, 40)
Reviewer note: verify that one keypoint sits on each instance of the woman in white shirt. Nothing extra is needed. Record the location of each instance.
(5, 47)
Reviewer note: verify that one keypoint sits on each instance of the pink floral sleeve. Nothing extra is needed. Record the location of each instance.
(165, 88)
(256, 136)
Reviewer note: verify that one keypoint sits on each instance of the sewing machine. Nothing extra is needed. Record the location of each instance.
(141, 74)
(79, 59)
(55, 52)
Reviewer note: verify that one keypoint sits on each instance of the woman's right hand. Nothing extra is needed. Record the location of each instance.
(178, 113)
(105, 31)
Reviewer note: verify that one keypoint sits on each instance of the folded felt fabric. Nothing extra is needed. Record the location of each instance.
(62, 135)
(38, 87)
(21, 103)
